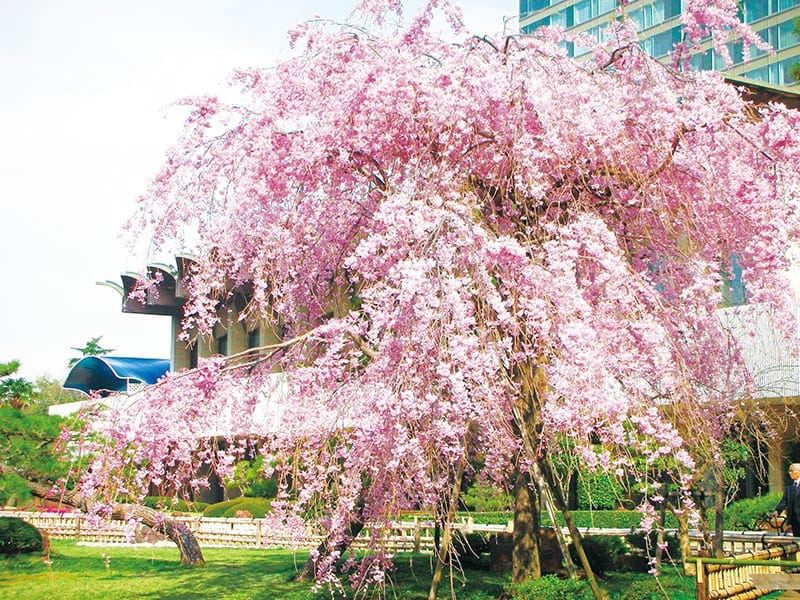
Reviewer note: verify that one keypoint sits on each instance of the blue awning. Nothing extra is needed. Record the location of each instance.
(107, 374)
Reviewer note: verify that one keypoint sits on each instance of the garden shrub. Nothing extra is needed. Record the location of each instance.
(469, 547)
(218, 509)
(603, 552)
(597, 491)
(257, 507)
(249, 477)
(18, 536)
(647, 543)
(644, 589)
(482, 497)
(176, 504)
(550, 587)
(744, 515)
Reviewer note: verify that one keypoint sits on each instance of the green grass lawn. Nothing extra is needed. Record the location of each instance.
(79, 572)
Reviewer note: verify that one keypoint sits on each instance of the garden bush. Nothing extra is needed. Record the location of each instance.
(176, 504)
(645, 589)
(603, 552)
(218, 509)
(469, 547)
(482, 497)
(550, 587)
(598, 491)
(249, 477)
(745, 514)
(18, 536)
(257, 507)
(647, 543)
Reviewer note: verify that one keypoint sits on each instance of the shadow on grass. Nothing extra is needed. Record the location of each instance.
(90, 573)
(124, 572)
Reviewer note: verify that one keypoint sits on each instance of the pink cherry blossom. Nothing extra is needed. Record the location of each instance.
(436, 222)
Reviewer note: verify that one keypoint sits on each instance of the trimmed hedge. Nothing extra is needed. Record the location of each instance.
(598, 491)
(218, 509)
(550, 587)
(603, 552)
(256, 507)
(18, 536)
(745, 514)
(176, 504)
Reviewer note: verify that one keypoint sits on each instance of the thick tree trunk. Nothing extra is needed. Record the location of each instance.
(174, 530)
(525, 563)
(683, 536)
(526, 410)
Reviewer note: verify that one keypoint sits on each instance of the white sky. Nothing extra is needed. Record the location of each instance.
(85, 89)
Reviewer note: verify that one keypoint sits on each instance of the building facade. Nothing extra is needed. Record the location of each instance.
(659, 27)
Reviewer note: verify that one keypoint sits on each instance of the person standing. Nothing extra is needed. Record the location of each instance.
(791, 499)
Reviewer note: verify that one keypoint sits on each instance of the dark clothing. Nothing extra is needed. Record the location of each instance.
(791, 504)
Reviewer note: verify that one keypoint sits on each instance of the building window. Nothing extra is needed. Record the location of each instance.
(734, 292)
(253, 339)
(193, 355)
(222, 345)
(754, 10)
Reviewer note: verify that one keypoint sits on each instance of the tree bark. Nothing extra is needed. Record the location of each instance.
(177, 532)
(525, 563)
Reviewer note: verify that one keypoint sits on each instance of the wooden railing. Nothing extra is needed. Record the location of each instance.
(743, 576)
(415, 534)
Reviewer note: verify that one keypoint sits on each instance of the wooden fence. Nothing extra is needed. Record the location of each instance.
(416, 534)
(744, 576)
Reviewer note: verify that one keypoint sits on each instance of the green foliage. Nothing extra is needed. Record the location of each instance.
(248, 475)
(613, 519)
(482, 497)
(603, 552)
(27, 445)
(550, 587)
(745, 514)
(598, 491)
(49, 392)
(16, 392)
(469, 547)
(28, 435)
(218, 509)
(175, 504)
(644, 589)
(91, 348)
(9, 368)
(257, 507)
(647, 543)
(17, 536)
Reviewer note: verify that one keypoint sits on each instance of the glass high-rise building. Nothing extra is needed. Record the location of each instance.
(660, 28)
